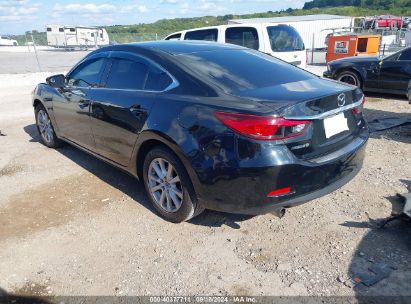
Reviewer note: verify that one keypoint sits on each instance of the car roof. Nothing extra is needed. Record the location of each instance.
(178, 47)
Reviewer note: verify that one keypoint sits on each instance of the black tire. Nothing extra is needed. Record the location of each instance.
(189, 207)
(50, 140)
(350, 77)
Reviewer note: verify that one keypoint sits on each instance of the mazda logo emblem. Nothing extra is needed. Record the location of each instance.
(341, 100)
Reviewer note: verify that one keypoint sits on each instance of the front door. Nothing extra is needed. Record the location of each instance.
(395, 72)
(72, 107)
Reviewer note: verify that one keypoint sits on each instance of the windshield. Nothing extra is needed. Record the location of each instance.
(284, 38)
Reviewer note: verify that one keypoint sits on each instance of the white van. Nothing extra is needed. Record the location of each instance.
(281, 41)
(7, 41)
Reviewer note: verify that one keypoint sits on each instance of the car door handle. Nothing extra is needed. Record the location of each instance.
(135, 107)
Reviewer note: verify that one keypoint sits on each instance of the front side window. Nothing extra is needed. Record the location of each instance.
(284, 38)
(207, 35)
(244, 36)
(61, 30)
(87, 74)
(49, 29)
(174, 37)
(127, 75)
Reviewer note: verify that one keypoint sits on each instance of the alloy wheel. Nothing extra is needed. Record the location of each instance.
(45, 127)
(348, 78)
(165, 185)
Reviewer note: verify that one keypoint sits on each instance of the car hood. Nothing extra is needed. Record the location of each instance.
(356, 59)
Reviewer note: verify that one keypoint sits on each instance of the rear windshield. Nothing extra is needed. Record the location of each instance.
(237, 70)
(284, 38)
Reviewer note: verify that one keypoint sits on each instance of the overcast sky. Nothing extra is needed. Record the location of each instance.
(18, 16)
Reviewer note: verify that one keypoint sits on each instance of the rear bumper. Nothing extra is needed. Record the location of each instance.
(245, 190)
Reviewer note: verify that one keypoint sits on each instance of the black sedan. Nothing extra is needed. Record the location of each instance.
(389, 75)
(208, 125)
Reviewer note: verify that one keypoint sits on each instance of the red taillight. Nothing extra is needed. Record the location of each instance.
(279, 192)
(358, 110)
(263, 127)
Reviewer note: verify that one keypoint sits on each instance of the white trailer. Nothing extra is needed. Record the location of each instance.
(313, 29)
(63, 36)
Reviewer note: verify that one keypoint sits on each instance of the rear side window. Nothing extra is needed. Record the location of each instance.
(174, 37)
(244, 36)
(405, 56)
(61, 30)
(284, 38)
(49, 29)
(157, 80)
(208, 35)
(127, 75)
(87, 74)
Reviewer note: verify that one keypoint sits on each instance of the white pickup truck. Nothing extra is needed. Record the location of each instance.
(7, 41)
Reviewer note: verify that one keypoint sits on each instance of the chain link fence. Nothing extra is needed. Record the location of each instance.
(41, 57)
(317, 57)
(40, 38)
(33, 54)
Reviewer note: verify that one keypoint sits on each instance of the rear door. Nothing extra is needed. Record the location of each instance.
(395, 72)
(120, 110)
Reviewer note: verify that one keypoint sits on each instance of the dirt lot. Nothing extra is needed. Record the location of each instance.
(72, 225)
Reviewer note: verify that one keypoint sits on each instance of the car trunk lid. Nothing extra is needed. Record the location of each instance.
(328, 105)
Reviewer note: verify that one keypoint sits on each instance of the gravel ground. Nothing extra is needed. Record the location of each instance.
(23, 60)
(72, 225)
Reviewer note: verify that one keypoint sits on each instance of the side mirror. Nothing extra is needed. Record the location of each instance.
(56, 81)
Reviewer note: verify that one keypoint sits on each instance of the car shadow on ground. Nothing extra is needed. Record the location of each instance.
(130, 185)
(21, 299)
(381, 262)
(400, 133)
(385, 96)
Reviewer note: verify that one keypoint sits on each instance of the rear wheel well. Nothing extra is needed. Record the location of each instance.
(142, 152)
(149, 145)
